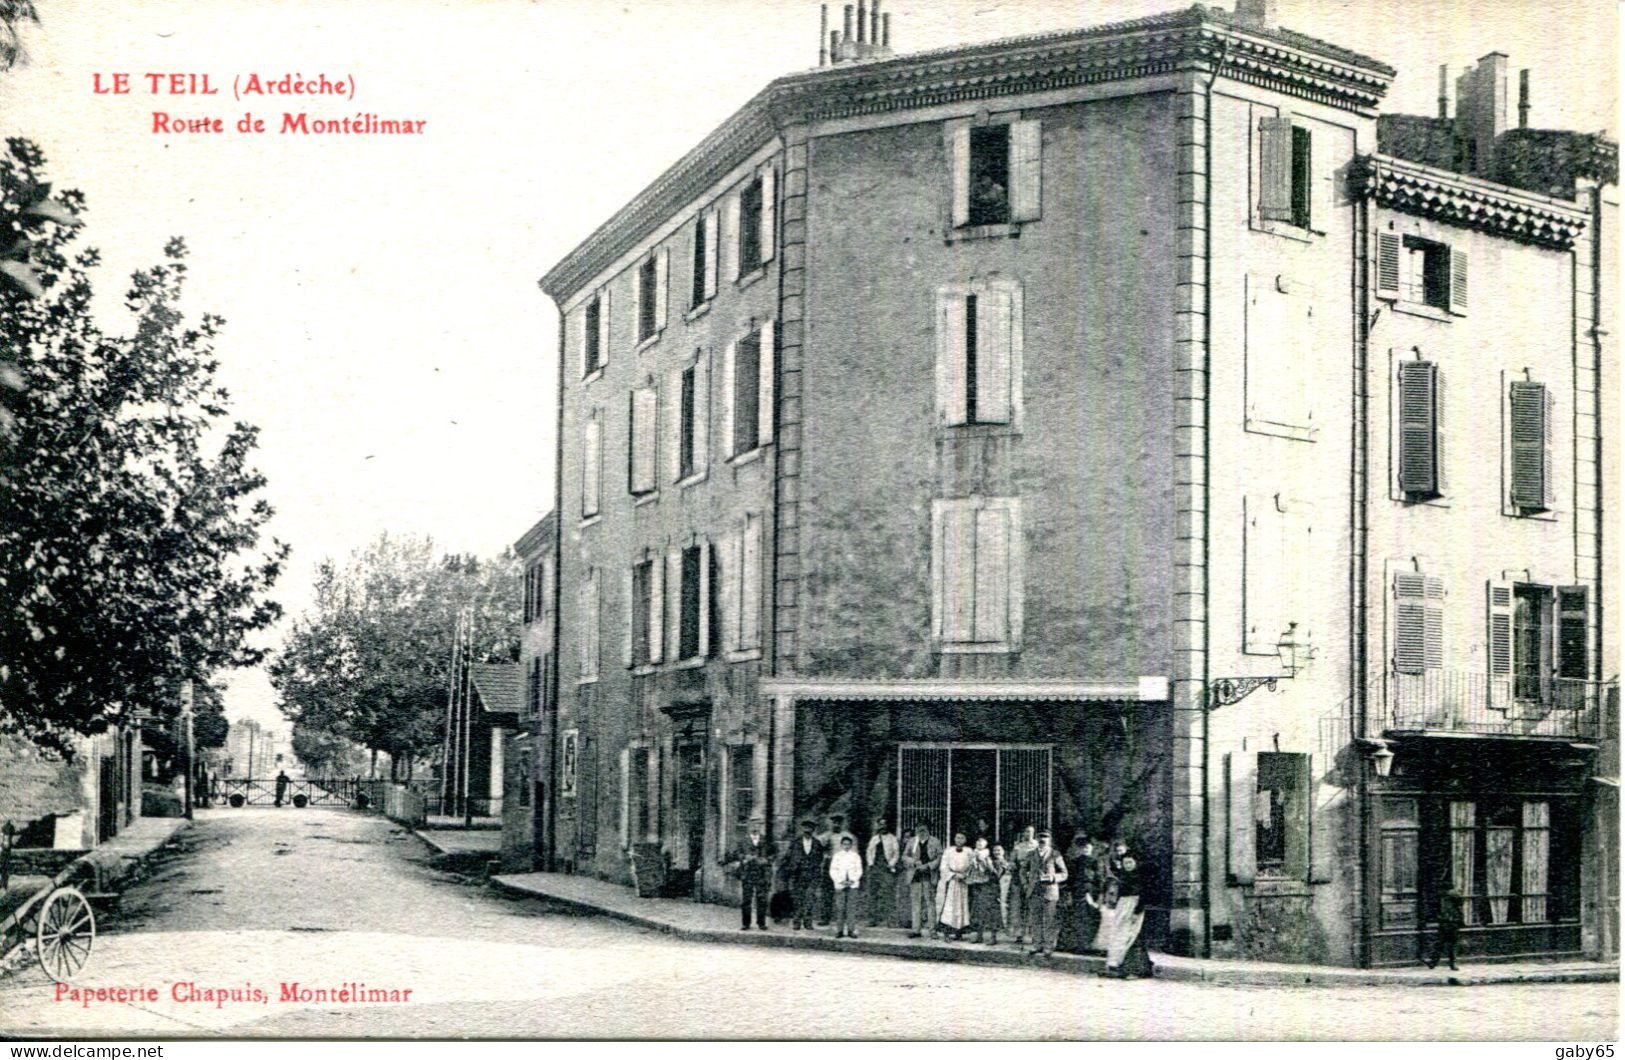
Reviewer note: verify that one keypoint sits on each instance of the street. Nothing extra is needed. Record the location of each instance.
(256, 898)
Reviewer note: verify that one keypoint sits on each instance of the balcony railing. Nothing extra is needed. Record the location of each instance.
(1469, 703)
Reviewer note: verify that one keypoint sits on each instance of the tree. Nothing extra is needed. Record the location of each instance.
(130, 554)
(12, 14)
(371, 661)
(209, 724)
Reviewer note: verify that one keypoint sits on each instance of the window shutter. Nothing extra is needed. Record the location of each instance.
(702, 413)
(581, 340)
(1549, 496)
(645, 422)
(993, 340)
(1322, 836)
(959, 179)
(727, 392)
(1265, 557)
(992, 607)
(595, 621)
(750, 584)
(583, 618)
(1026, 151)
(1573, 636)
(674, 605)
(603, 326)
(657, 610)
(705, 599)
(1410, 623)
(628, 602)
(592, 462)
(1388, 244)
(662, 287)
(1433, 622)
(626, 797)
(764, 385)
(1529, 457)
(729, 590)
(637, 306)
(769, 216)
(1458, 281)
(951, 384)
(712, 240)
(1418, 428)
(958, 576)
(1241, 776)
(729, 238)
(1275, 168)
(1498, 641)
(671, 425)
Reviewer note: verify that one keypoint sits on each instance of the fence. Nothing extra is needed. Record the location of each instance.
(1463, 701)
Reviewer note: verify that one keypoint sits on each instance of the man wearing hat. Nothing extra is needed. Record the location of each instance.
(921, 855)
(1042, 875)
(752, 859)
(803, 871)
(830, 839)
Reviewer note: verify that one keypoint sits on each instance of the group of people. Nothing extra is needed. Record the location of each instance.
(1085, 901)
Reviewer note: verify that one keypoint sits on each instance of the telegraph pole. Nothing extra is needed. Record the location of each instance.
(191, 749)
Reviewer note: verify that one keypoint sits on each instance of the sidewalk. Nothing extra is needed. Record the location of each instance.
(705, 922)
(461, 840)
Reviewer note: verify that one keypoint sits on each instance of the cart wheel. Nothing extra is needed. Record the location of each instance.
(66, 930)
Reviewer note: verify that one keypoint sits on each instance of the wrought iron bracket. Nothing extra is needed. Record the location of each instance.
(1224, 691)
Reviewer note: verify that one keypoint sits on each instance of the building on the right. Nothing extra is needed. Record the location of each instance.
(1483, 613)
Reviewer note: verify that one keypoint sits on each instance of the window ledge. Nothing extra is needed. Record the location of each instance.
(644, 669)
(947, 648)
(1284, 229)
(645, 343)
(750, 456)
(1550, 515)
(586, 680)
(746, 279)
(640, 499)
(595, 517)
(983, 430)
(1419, 309)
(696, 312)
(1008, 230)
(742, 655)
(1419, 502)
(689, 664)
(593, 376)
(1281, 430)
(692, 480)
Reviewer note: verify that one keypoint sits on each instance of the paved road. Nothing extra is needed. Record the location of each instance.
(256, 898)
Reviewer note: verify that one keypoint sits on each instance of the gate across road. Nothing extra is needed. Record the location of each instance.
(256, 791)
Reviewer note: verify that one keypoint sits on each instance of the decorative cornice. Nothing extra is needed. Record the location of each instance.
(1144, 690)
(538, 538)
(1194, 39)
(1467, 202)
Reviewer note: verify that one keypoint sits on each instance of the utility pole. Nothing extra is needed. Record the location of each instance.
(191, 749)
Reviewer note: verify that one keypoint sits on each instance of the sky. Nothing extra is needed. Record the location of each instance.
(384, 326)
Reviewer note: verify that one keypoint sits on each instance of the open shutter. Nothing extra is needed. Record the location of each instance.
(951, 323)
(1548, 480)
(584, 617)
(1322, 836)
(1573, 637)
(1388, 244)
(647, 417)
(1433, 622)
(993, 342)
(1026, 151)
(705, 599)
(657, 610)
(592, 464)
(1458, 281)
(1418, 428)
(580, 331)
(1410, 623)
(713, 239)
(1275, 168)
(1498, 642)
(728, 569)
(626, 797)
(750, 584)
(959, 161)
(992, 608)
(1241, 781)
(595, 621)
(637, 306)
(671, 425)
(727, 424)
(674, 605)
(628, 601)
(769, 216)
(662, 287)
(728, 239)
(1528, 427)
(764, 385)
(702, 413)
(958, 574)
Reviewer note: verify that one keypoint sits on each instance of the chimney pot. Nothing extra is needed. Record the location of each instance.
(823, 34)
(1523, 99)
(846, 29)
(1444, 91)
(863, 21)
(885, 30)
(874, 22)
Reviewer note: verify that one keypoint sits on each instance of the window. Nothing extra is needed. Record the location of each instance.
(1539, 644)
(976, 554)
(750, 227)
(595, 334)
(997, 172)
(1422, 272)
(644, 613)
(533, 685)
(635, 815)
(1269, 797)
(1286, 171)
(538, 589)
(685, 414)
(752, 219)
(979, 354)
(1419, 430)
(741, 786)
(524, 778)
(1529, 421)
(1418, 623)
(569, 741)
(740, 591)
(692, 602)
(703, 284)
(587, 628)
(1281, 335)
(591, 462)
(747, 386)
(640, 456)
(651, 296)
(687, 427)
(1500, 859)
(1278, 540)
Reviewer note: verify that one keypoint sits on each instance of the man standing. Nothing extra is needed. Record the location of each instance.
(1451, 916)
(882, 873)
(1044, 873)
(281, 786)
(920, 859)
(803, 866)
(752, 858)
(1019, 915)
(845, 873)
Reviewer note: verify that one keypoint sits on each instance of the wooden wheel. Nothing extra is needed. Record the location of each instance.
(66, 929)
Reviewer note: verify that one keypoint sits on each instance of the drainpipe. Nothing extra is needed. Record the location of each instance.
(552, 679)
(1362, 487)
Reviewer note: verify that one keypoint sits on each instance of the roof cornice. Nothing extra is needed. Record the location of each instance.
(532, 542)
(1192, 39)
(1468, 202)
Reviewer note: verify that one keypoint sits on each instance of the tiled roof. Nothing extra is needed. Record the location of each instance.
(499, 686)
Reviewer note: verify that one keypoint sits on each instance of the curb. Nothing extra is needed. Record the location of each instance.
(1173, 969)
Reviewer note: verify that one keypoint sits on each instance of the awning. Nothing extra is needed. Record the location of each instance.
(1141, 690)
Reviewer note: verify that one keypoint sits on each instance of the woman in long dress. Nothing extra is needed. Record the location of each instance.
(1126, 955)
(953, 890)
(1085, 882)
(984, 892)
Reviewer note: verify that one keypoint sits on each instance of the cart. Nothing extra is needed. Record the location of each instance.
(56, 923)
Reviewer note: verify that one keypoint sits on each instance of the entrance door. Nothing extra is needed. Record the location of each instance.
(107, 799)
(542, 839)
(689, 803)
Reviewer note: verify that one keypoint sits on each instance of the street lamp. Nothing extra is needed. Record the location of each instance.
(1381, 755)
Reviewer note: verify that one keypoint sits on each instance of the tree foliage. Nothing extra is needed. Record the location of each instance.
(130, 521)
(12, 14)
(370, 662)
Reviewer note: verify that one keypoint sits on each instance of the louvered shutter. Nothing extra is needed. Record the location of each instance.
(750, 584)
(957, 576)
(728, 240)
(701, 426)
(1418, 428)
(657, 610)
(1275, 168)
(592, 462)
(1241, 779)
(1528, 426)
(1322, 836)
(1573, 636)
(993, 341)
(1458, 281)
(1388, 248)
(1026, 179)
(1410, 623)
(1498, 641)
(727, 391)
(704, 618)
(603, 327)
(662, 287)
(671, 425)
(764, 384)
(959, 179)
(1433, 622)
(991, 611)
(713, 240)
(951, 324)
(769, 216)
(628, 606)
(1549, 480)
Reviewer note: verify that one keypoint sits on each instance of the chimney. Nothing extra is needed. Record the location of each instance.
(873, 37)
(1444, 91)
(885, 31)
(1523, 99)
(863, 21)
(1257, 14)
(874, 22)
(1481, 111)
(823, 34)
(846, 31)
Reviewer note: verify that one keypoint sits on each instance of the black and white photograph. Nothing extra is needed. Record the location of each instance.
(788, 521)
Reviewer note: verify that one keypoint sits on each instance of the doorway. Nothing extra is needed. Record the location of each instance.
(993, 790)
(688, 804)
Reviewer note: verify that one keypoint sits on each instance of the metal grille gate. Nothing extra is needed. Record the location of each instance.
(1018, 793)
